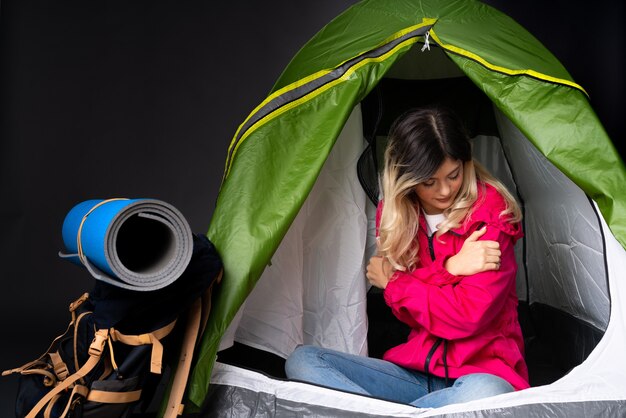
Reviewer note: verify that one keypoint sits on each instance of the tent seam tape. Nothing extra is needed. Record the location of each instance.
(485, 63)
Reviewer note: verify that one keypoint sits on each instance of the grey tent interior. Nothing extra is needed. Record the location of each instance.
(562, 280)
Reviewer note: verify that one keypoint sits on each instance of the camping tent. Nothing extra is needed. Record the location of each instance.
(293, 221)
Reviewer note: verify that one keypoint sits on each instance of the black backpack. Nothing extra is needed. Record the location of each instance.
(114, 358)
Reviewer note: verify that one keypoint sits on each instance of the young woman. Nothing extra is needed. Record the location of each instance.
(446, 231)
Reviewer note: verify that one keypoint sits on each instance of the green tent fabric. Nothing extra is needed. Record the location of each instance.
(278, 151)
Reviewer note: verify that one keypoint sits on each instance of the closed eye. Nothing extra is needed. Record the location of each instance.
(455, 174)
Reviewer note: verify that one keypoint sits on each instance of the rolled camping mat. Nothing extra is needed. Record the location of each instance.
(137, 244)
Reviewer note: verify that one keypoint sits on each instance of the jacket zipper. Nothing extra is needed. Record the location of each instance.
(437, 343)
(429, 356)
(431, 247)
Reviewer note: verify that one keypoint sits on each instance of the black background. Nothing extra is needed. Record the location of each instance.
(105, 99)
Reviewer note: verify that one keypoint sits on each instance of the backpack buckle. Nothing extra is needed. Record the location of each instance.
(99, 340)
(75, 305)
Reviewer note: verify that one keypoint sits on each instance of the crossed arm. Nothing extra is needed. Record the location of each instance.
(475, 256)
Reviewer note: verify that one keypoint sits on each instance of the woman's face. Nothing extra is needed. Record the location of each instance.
(438, 192)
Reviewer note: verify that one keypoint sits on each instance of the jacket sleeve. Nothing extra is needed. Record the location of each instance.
(435, 272)
(458, 310)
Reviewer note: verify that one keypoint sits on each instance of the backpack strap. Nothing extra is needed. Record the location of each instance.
(76, 320)
(148, 338)
(78, 390)
(47, 413)
(174, 404)
(59, 366)
(35, 366)
(95, 352)
(103, 396)
(96, 349)
(196, 322)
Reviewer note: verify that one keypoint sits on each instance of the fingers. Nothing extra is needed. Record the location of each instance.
(491, 258)
(372, 265)
(490, 244)
(477, 234)
(486, 247)
(494, 266)
(486, 243)
(375, 272)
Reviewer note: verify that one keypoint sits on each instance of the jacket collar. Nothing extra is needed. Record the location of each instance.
(486, 210)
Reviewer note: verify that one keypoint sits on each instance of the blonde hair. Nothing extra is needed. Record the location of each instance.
(419, 142)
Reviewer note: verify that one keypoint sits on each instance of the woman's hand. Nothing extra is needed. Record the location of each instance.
(475, 256)
(379, 271)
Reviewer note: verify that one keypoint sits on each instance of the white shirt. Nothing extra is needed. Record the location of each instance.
(433, 221)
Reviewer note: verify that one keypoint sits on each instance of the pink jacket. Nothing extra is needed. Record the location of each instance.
(473, 319)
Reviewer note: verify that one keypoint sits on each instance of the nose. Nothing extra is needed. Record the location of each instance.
(445, 189)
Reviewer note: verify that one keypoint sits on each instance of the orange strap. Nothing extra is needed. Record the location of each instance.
(198, 316)
(196, 322)
(79, 233)
(59, 366)
(47, 413)
(49, 379)
(76, 304)
(39, 362)
(144, 339)
(34, 367)
(174, 406)
(77, 320)
(77, 390)
(95, 352)
(113, 397)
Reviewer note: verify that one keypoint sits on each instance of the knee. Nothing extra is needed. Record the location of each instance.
(483, 385)
(300, 361)
(495, 385)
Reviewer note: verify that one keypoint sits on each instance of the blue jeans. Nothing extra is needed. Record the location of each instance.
(385, 380)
